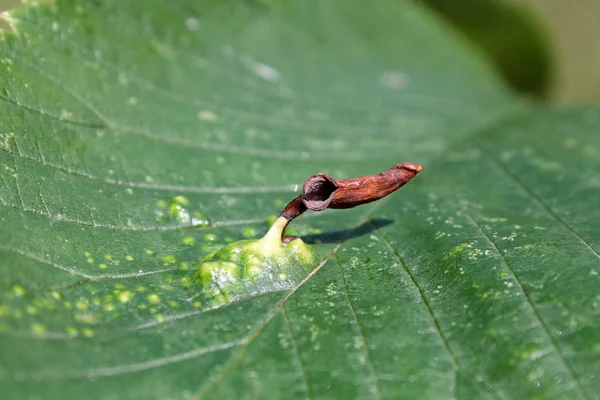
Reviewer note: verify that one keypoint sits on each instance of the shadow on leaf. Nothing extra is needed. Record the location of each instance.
(338, 236)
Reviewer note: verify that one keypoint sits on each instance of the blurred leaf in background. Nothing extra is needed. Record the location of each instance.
(576, 47)
(511, 36)
(137, 137)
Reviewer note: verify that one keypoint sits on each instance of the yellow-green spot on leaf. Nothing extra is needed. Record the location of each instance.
(168, 260)
(86, 318)
(249, 232)
(459, 249)
(129, 258)
(255, 266)
(180, 213)
(103, 266)
(180, 200)
(107, 257)
(68, 304)
(81, 305)
(186, 281)
(197, 304)
(31, 310)
(149, 252)
(87, 332)
(188, 241)
(184, 266)
(173, 304)
(71, 331)
(18, 290)
(38, 329)
(160, 318)
(503, 274)
(119, 286)
(142, 306)
(43, 303)
(141, 289)
(3, 311)
(200, 219)
(153, 298)
(56, 295)
(87, 254)
(177, 208)
(161, 204)
(125, 296)
(210, 237)
(90, 260)
(109, 307)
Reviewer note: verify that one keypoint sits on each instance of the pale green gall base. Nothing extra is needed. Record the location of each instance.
(250, 267)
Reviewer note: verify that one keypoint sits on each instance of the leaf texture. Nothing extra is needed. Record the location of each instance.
(138, 137)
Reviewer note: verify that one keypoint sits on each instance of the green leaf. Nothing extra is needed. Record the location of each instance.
(139, 137)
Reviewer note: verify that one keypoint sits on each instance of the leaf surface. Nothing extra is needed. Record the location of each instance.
(138, 137)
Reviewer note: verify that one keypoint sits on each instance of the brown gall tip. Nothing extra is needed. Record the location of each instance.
(416, 168)
(321, 191)
(318, 191)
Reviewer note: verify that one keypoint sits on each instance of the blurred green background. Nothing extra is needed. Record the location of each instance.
(574, 26)
(562, 49)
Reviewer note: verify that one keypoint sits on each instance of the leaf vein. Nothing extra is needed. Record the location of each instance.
(116, 128)
(531, 194)
(532, 308)
(297, 353)
(74, 271)
(446, 345)
(127, 369)
(51, 116)
(157, 186)
(200, 225)
(376, 384)
(312, 100)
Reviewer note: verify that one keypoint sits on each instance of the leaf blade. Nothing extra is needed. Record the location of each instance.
(104, 146)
